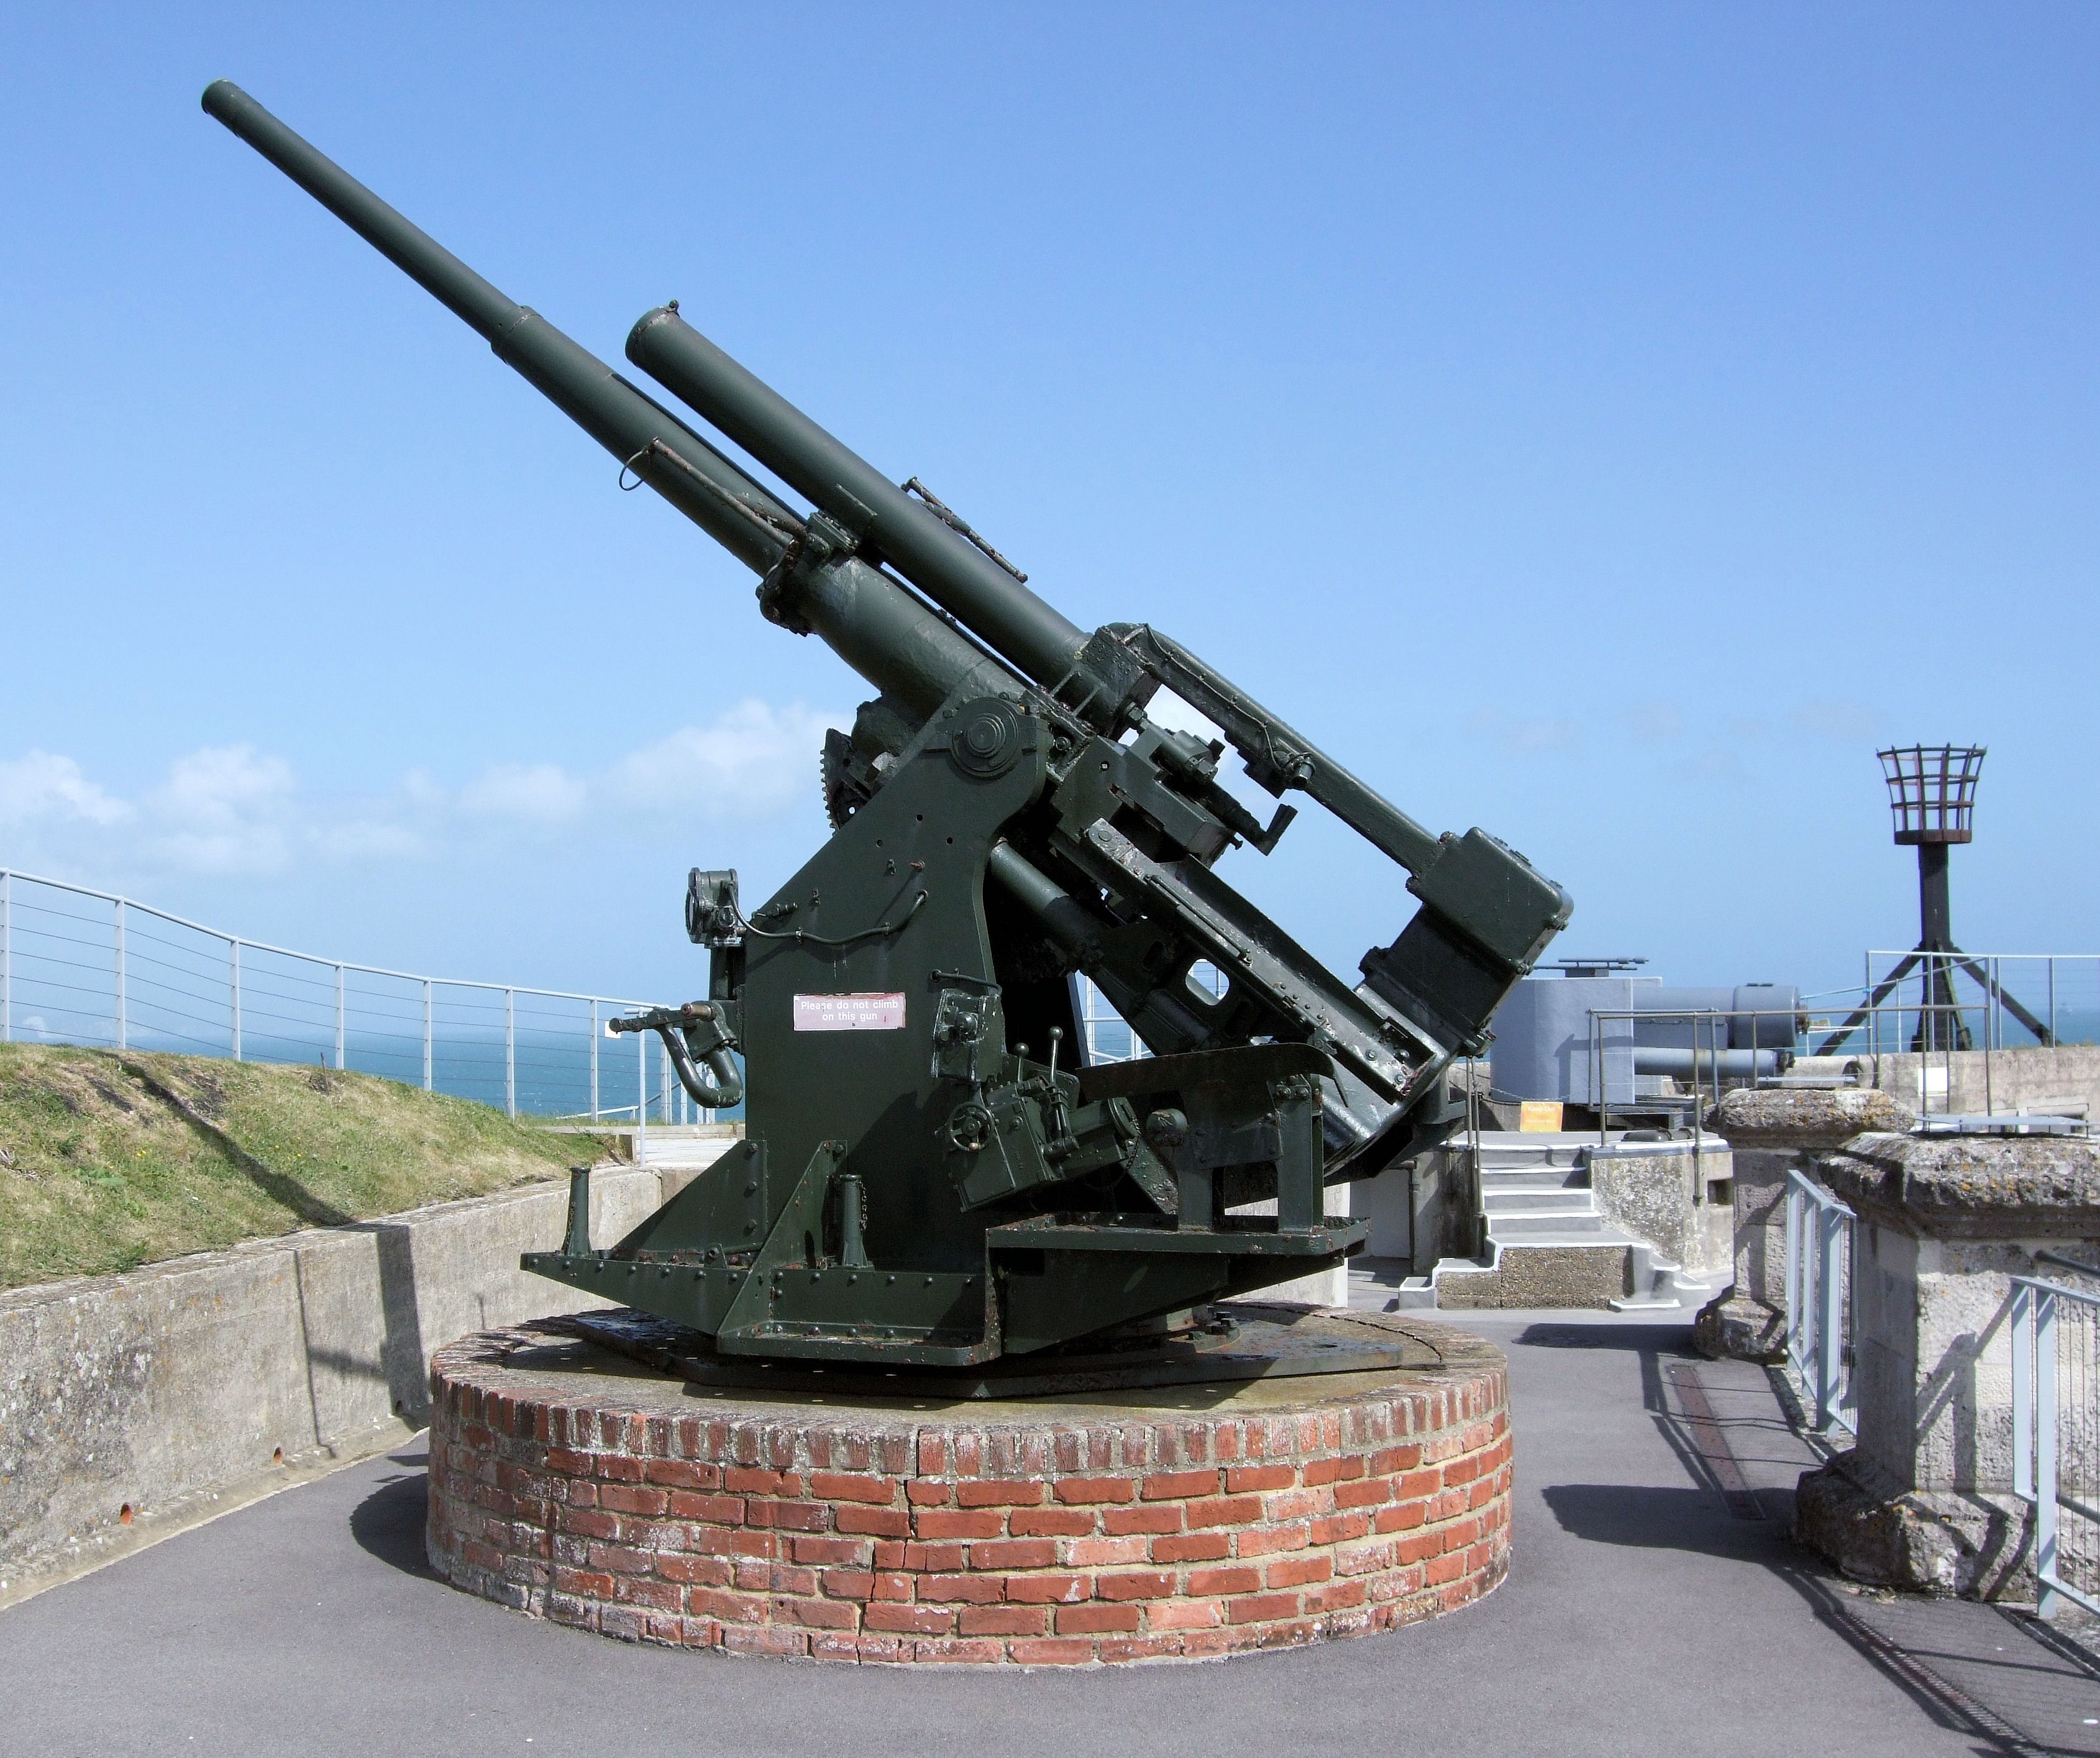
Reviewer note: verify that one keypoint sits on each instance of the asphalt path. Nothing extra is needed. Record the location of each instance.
(1655, 1603)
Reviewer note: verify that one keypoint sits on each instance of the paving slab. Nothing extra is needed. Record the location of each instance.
(1654, 1600)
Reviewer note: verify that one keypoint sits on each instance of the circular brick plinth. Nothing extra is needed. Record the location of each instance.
(1181, 1522)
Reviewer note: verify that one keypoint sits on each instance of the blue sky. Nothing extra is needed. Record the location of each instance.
(1604, 425)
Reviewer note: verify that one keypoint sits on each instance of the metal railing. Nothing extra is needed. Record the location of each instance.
(1819, 1300)
(2056, 1435)
(84, 966)
(2058, 991)
(1110, 1037)
(1714, 1066)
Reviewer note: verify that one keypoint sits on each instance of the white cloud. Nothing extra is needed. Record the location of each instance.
(1526, 734)
(232, 810)
(225, 810)
(42, 787)
(755, 758)
(540, 793)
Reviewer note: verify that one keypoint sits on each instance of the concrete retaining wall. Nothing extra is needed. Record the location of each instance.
(2027, 1078)
(133, 1405)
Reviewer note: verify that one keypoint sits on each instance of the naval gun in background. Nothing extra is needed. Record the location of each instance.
(931, 1174)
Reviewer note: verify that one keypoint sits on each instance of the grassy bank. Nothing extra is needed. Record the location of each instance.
(109, 1161)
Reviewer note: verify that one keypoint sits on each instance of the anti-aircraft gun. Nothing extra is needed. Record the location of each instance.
(932, 1173)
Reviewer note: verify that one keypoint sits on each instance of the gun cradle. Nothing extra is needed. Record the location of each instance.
(931, 1175)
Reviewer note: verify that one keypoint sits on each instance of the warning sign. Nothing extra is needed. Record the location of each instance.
(849, 1013)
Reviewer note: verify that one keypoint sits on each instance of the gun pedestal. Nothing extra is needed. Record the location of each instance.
(1084, 1527)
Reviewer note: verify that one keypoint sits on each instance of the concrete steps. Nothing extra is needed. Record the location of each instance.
(1547, 1243)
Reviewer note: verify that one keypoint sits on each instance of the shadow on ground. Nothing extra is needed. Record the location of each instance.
(388, 1524)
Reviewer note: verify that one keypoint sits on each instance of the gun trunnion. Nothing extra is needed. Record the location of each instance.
(931, 1174)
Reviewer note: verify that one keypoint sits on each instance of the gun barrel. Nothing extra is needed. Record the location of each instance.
(1004, 613)
(658, 447)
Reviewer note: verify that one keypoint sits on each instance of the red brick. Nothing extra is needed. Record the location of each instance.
(1147, 1584)
(789, 1516)
(1046, 1589)
(948, 1649)
(681, 1473)
(1088, 1553)
(1128, 1648)
(1401, 1517)
(1259, 1608)
(1462, 1470)
(1005, 1621)
(927, 1559)
(749, 1480)
(1153, 1517)
(1052, 1522)
(1296, 1571)
(1186, 1615)
(811, 1548)
(619, 1559)
(663, 1595)
(951, 1522)
(769, 1640)
(908, 1619)
(586, 1522)
(1223, 1510)
(627, 1499)
(848, 1583)
(1013, 1553)
(820, 1614)
(1336, 1595)
(1262, 1541)
(1447, 1567)
(717, 1510)
(1206, 1581)
(695, 1572)
(1298, 1504)
(1191, 1547)
(1178, 1486)
(1461, 1533)
(989, 1492)
(1339, 1528)
(1424, 1483)
(731, 1608)
(972, 1589)
(1051, 1652)
(883, 1522)
(1365, 1492)
(1241, 1478)
(1098, 1620)
(923, 1492)
(840, 1486)
(1095, 1489)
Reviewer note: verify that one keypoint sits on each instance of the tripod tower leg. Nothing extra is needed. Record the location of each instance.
(1940, 1025)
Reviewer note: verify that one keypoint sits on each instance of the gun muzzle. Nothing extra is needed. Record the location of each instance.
(654, 443)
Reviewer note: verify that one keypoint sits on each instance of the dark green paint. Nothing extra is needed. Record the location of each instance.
(946, 1183)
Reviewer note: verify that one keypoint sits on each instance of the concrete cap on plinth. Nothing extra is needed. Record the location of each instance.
(2028, 1187)
(1813, 1119)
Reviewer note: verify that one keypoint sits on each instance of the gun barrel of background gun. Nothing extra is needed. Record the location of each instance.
(947, 568)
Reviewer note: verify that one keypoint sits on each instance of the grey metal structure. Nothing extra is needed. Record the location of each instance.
(931, 1178)
(1932, 801)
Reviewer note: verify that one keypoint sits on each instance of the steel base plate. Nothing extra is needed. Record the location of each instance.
(1250, 1341)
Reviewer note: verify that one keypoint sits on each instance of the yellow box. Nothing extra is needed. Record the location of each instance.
(1540, 1116)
